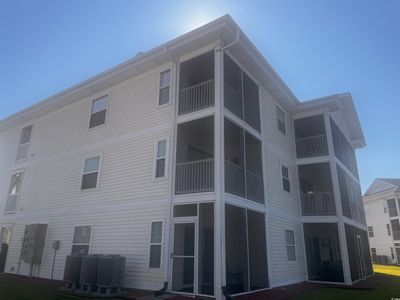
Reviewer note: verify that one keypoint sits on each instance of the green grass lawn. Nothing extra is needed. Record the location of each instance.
(384, 285)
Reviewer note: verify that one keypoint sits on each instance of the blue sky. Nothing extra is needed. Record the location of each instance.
(317, 47)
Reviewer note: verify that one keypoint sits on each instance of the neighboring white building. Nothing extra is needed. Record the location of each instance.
(382, 207)
(196, 162)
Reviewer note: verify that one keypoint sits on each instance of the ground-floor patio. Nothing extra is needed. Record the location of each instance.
(385, 284)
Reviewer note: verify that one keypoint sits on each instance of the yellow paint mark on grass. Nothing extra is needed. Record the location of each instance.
(390, 270)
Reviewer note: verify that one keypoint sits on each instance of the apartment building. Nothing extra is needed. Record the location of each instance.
(197, 163)
(382, 207)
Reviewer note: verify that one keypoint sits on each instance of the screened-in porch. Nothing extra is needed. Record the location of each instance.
(310, 137)
(316, 192)
(195, 156)
(246, 250)
(196, 84)
(243, 163)
(358, 251)
(324, 262)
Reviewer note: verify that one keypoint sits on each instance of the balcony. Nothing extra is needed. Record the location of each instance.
(195, 177)
(196, 97)
(311, 146)
(310, 137)
(318, 204)
(316, 192)
(196, 83)
(195, 157)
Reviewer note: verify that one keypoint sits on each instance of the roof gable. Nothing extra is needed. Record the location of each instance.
(383, 184)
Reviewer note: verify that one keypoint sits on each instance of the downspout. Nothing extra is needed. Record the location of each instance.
(225, 293)
(171, 172)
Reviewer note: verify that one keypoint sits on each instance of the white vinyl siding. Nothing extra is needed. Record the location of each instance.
(98, 112)
(280, 116)
(161, 158)
(13, 193)
(22, 151)
(290, 245)
(164, 92)
(155, 245)
(90, 174)
(81, 239)
(285, 178)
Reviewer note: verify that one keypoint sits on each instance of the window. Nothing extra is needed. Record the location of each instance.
(392, 252)
(285, 179)
(281, 120)
(370, 231)
(90, 173)
(81, 239)
(388, 229)
(98, 112)
(160, 160)
(23, 145)
(13, 193)
(290, 245)
(155, 245)
(165, 82)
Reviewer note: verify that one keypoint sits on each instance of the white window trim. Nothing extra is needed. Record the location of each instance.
(81, 244)
(277, 119)
(22, 171)
(90, 111)
(100, 155)
(166, 139)
(20, 145)
(169, 85)
(291, 245)
(282, 177)
(161, 244)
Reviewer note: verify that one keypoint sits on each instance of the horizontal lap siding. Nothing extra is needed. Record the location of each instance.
(124, 231)
(283, 207)
(377, 218)
(127, 198)
(282, 270)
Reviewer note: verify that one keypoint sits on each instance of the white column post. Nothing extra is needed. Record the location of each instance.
(338, 203)
(219, 213)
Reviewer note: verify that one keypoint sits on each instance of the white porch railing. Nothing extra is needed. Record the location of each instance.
(194, 176)
(196, 97)
(311, 146)
(318, 204)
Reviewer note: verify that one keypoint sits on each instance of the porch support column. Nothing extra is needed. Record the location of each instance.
(338, 202)
(219, 248)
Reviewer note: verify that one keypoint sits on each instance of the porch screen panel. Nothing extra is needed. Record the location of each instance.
(324, 262)
(354, 256)
(237, 277)
(254, 175)
(206, 249)
(234, 159)
(392, 207)
(257, 250)
(233, 87)
(367, 253)
(395, 229)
